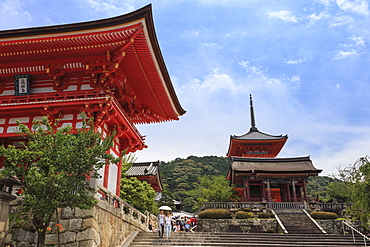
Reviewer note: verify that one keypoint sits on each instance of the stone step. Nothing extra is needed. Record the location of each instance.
(246, 235)
(232, 239)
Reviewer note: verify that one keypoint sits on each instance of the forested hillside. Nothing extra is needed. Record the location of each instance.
(181, 175)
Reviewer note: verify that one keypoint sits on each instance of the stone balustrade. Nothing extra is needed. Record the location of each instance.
(117, 203)
(334, 207)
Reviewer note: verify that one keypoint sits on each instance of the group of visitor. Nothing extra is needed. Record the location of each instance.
(168, 223)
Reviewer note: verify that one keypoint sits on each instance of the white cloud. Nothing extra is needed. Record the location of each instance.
(356, 6)
(283, 15)
(359, 41)
(341, 20)
(352, 48)
(213, 82)
(13, 10)
(211, 45)
(295, 78)
(111, 7)
(252, 69)
(326, 3)
(331, 160)
(297, 61)
(344, 54)
(314, 18)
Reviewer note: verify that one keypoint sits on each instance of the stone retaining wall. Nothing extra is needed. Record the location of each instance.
(101, 226)
(247, 225)
(267, 225)
(336, 226)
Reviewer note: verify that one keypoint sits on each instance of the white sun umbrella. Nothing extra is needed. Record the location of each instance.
(165, 208)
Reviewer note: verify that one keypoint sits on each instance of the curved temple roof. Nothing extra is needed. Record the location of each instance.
(124, 48)
(258, 135)
(255, 165)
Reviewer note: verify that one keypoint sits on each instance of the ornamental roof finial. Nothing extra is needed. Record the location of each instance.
(253, 121)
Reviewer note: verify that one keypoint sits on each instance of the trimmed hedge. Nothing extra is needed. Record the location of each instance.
(265, 215)
(323, 215)
(244, 215)
(215, 214)
(225, 214)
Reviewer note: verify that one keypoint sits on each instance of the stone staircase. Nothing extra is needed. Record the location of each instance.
(297, 222)
(146, 239)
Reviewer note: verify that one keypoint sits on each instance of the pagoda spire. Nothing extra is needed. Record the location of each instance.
(253, 121)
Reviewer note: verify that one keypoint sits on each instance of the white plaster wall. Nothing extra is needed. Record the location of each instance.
(101, 173)
(7, 92)
(112, 181)
(86, 87)
(71, 88)
(21, 120)
(42, 90)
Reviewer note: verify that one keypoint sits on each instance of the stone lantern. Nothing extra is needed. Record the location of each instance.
(233, 212)
(234, 226)
(264, 205)
(6, 187)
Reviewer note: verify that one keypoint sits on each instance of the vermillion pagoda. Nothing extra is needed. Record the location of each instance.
(111, 70)
(258, 174)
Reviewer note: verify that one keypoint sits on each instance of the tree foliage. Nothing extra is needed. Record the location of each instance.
(181, 175)
(212, 189)
(54, 164)
(355, 187)
(138, 194)
(318, 188)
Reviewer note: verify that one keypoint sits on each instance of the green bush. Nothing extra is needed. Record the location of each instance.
(246, 209)
(323, 215)
(265, 215)
(244, 215)
(215, 214)
(270, 230)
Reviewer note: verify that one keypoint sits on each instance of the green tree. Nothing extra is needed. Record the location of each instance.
(358, 180)
(138, 194)
(212, 189)
(54, 164)
(339, 191)
(355, 187)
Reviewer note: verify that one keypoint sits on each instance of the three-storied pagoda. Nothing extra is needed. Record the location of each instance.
(258, 174)
(110, 69)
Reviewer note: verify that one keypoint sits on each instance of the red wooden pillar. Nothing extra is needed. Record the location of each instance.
(294, 191)
(106, 175)
(264, 191)
(269, 199)
(305, 190)
(288, 193)
(119, 174)
(248, 198)
(245, 191)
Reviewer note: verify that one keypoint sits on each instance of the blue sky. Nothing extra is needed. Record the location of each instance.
(306, 63)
